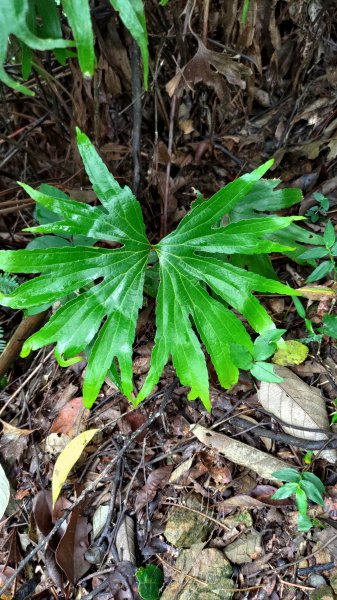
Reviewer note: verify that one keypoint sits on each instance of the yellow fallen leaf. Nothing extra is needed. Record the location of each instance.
(317, 292)
(66, 460)
(290, 352)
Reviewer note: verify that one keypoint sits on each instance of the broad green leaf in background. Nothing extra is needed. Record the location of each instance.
(150, 580)
(13, 20)
(67, 459)
(132, 14)
(4, 492)
(196, 292)
(259, 202)
(79, 19)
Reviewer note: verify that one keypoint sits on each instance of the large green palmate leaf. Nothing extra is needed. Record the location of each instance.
(13, 20)
(262, 200)
(102, 287)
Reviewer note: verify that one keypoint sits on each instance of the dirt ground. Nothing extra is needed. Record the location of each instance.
(224, 96)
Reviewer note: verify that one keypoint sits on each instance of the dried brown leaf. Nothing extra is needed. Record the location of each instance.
(155, 481)
(298, 404)
(73, 546)
(199, 69)
(125, 540)
(69, 418)
(239, 453)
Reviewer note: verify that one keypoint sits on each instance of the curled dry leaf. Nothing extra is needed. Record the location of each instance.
(155, 481)
(199, 69)
(239, 453)
(300, 405)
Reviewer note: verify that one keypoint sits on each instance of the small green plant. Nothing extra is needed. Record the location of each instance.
(303, 486)
(100, 289)
(319, 210)
(150, 581)
(327, 250)
(329, 327)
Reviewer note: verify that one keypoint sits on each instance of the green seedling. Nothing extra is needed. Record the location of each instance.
(304, 486)
(319, 210)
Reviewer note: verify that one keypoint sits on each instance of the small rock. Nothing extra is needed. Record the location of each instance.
(242, 518)
(322, 593)
(196, 591)
(245, 549)
(184, 527)
(208, 565)
(315, 580)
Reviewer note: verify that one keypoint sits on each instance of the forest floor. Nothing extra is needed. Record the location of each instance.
(224, 96)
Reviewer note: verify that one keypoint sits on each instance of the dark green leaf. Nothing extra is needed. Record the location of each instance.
(285, 491)
(132, 14)
(287, 475)
(26, 61)
(315, 480)
(330, 325)
(312, 492)
(329, 234)
(313, 253)
(304, 523)
(301, 501)
(150, 581)
(321, 271)
(299, 307)
(323, 201)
